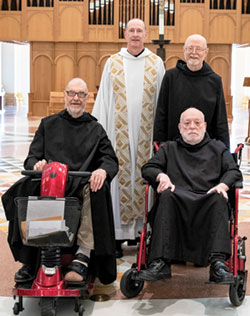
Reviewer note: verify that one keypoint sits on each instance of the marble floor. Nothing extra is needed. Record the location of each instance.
(16, 132)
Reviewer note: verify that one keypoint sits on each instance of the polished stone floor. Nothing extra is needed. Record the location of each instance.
(16, 132)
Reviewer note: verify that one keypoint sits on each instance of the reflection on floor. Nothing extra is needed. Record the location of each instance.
(16, 132)
(183, 307)
(10, 164)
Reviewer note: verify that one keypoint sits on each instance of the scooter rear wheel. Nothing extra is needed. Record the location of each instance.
(48, 306)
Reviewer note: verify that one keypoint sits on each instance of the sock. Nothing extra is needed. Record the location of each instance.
(84, 251)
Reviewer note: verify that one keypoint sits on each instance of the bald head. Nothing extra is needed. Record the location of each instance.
(135, 34)
(198, 39)
(192, 126)
(76, 81)
(136, 22)
(192, 112)
(76, 97)
(195, 51)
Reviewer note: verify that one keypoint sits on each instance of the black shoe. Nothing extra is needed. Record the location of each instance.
(219, 273)
(132, 242)
(197, 265)
(157, 270)
(178, 262)
(118, 250)
(118, 254)
(24, 274)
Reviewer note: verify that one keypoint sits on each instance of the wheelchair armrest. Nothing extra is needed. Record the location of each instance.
(238, 185)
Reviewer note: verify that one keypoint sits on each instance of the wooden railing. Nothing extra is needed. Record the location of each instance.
(223, 4)
(169, 10)
(16, 5)
(103, 21)
(102, 11)
(245, 7)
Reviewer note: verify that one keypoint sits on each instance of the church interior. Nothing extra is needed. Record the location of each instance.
(69, 39)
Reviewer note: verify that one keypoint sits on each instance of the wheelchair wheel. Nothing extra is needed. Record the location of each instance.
(129, 286)
(237, 291)
(48, 306)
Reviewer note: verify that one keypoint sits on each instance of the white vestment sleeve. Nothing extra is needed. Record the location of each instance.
(104, 107)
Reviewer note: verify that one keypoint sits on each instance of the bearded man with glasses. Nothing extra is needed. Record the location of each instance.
(75, 138)
(189, 219)
(192, 83)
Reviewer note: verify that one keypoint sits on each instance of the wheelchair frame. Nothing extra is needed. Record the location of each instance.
(131, 285)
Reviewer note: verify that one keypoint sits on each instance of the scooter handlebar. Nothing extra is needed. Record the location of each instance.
(31, 173)
(79, 173)
(70, 173)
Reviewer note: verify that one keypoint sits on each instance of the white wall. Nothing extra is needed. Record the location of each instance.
(1, 93)
(0, 65)
(22, 70)
(240, 69)
(15, 64)
(8, 66)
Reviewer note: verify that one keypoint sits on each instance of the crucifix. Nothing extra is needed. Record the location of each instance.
(161, 42)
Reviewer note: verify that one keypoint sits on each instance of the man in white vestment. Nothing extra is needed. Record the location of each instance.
(125, 106)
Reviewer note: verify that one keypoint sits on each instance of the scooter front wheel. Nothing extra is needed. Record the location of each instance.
(48, 306)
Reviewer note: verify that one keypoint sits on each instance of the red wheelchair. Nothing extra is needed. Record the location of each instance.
(131, 285)
(50, 222)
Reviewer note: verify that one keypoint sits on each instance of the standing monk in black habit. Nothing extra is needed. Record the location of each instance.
(192, 83)
(75, 138)
(190, 217)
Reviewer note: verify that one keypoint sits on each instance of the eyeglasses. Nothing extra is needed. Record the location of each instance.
(187, 124)
(80, 94)
(197, 49)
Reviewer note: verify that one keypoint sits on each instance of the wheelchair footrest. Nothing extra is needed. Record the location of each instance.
(220, 283)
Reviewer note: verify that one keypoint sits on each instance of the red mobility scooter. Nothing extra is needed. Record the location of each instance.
(131, 285)
(49, 222)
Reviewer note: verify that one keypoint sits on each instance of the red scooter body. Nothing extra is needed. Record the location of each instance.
(54, 177)
(49, 282)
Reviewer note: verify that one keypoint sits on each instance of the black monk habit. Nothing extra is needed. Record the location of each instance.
(189, 224)
(182, 88)
(82, 144)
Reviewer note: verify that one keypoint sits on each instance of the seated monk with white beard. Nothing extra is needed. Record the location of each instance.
(189, 218)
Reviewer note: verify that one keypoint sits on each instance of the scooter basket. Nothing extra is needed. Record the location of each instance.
(59, 237)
